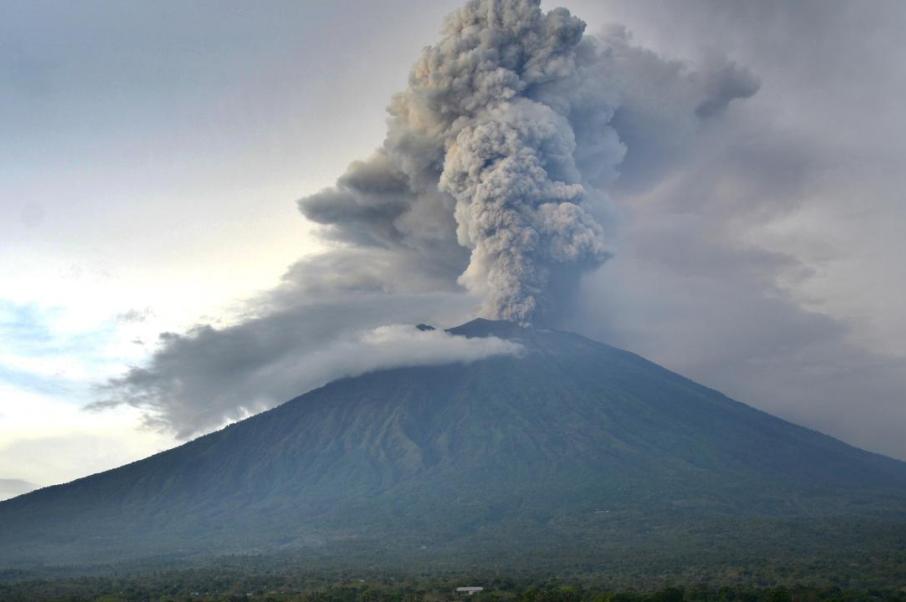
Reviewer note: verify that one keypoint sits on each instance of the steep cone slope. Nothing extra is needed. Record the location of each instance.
(570, 451)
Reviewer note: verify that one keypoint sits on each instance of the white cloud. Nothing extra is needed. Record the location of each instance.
(47, 440)
(195, 382)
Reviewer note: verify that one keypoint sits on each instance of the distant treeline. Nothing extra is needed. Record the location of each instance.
(225, 585)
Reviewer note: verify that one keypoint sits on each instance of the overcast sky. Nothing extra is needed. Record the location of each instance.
(153, 153)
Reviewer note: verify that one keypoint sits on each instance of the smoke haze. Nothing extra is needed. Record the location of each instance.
(727, 214)
(499, 154)
(489, 194)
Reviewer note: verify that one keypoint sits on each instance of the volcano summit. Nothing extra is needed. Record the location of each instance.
(568, 453)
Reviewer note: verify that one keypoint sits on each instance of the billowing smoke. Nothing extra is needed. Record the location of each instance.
(198, 380)
(495, 176)
(484, 141)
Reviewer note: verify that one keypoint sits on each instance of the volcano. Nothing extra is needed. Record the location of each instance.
(571, 452)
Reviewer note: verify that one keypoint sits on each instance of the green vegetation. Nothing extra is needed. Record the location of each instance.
(235, 585)
(836, 575)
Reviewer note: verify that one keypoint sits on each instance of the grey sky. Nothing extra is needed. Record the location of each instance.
(765, 262)
(152, 154)
(169, 137)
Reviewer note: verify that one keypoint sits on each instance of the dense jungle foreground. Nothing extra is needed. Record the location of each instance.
(235, 582)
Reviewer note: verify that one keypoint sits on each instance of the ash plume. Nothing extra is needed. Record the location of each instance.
(495, 176)
(482, 154)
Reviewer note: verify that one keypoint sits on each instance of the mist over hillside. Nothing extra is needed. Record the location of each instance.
(13, 487)
(569, 451)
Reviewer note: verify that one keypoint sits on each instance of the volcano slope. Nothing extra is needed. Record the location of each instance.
(571, 454)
